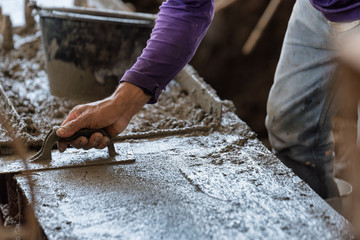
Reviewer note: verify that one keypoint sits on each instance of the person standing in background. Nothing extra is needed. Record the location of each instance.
(301, 102)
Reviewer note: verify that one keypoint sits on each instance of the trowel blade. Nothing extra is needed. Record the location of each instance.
(71, 158)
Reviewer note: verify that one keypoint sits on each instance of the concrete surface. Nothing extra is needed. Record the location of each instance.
(70, 159)
(203, 95)
(223, 185)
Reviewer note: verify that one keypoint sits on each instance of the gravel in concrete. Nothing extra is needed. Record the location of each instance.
(223, 185)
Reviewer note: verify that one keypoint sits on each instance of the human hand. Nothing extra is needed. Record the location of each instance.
(113, 114)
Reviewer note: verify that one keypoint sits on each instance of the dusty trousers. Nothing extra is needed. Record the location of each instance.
(301, 101)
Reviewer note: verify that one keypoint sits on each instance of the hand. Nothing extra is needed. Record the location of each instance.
(113, 114)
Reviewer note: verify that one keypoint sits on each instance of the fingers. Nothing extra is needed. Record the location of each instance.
(96, 140)
(103, 114)
(80, 142)
(71, 127)
(73, 122)
(73, 114)
(105, 141)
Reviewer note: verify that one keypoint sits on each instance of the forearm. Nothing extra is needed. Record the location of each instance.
(128, 99)
(178, 31)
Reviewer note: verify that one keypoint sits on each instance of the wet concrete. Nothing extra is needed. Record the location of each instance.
(223, 184)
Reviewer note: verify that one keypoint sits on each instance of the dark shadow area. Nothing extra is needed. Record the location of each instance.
(3, 190)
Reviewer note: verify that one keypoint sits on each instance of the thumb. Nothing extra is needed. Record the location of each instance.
(71, 127)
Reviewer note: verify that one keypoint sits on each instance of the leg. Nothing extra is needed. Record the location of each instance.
(299, 109)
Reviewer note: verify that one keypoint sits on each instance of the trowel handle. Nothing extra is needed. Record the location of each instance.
(85, 132)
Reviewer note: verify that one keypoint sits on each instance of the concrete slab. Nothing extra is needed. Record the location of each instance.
(219, 185)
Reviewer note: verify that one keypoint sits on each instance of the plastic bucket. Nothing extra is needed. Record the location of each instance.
(88, 51)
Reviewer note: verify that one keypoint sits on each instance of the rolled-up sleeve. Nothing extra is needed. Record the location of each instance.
(179, 29)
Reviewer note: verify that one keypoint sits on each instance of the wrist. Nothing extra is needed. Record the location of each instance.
(130, 98)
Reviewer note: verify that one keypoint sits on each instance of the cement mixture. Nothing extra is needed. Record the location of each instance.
(23, 77)
(223, 184)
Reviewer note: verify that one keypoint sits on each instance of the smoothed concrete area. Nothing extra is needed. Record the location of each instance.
(69, 159)
(223, 184)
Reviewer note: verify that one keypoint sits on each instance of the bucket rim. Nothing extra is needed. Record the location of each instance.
(95, 18)
(91, 14)
(98, 12)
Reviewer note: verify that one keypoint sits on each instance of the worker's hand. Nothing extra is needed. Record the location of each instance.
(113, 114)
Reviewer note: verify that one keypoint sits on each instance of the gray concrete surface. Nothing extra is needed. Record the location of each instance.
(219, 185)
(70, 159)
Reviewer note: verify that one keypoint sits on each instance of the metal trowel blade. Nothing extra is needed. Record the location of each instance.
(71, 158)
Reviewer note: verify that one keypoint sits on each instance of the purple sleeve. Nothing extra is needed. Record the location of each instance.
(179, 29)
(338, 10)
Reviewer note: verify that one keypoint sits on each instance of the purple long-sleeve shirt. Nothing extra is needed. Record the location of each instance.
(338, 10)
(179, 29)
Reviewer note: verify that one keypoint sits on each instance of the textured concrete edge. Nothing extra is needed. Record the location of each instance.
(200, 92)
(313, 199)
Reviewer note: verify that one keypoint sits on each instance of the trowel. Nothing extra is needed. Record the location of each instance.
(46, 159)
(45, 152)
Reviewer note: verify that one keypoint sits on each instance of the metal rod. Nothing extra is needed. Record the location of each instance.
(221, 4)
(260, 27)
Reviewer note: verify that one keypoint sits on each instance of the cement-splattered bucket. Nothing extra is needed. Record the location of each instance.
(88, 51)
